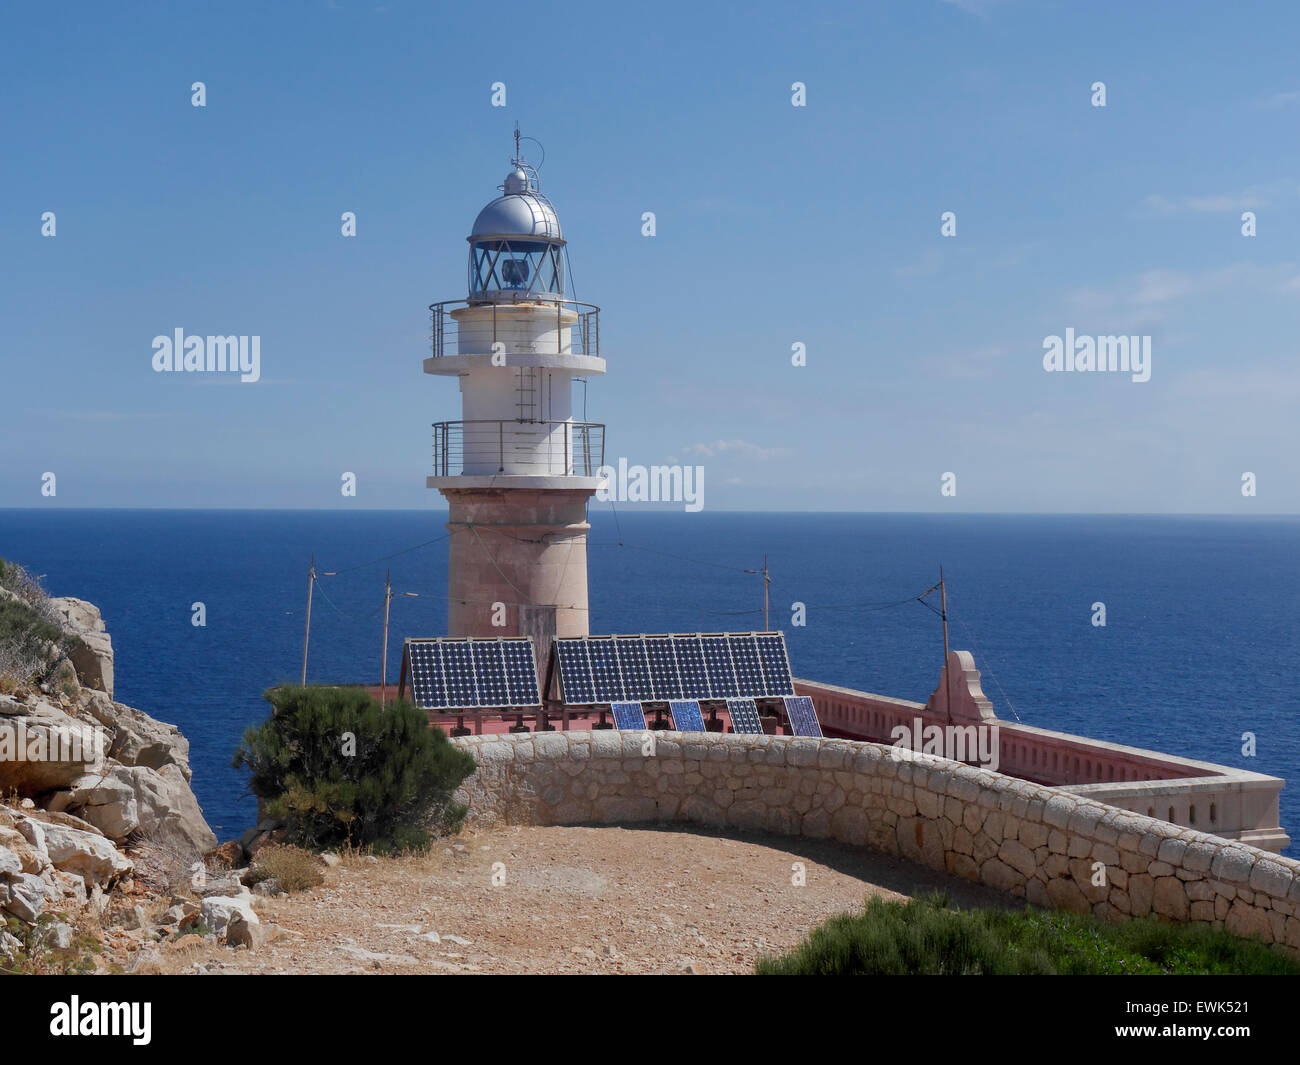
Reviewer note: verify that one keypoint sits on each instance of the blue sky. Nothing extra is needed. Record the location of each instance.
(776, 225)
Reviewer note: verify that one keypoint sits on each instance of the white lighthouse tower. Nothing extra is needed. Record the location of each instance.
(516, 468)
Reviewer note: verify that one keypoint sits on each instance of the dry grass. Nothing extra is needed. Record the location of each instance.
(292, 868)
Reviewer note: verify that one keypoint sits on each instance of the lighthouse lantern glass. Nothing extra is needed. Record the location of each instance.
(515, 266)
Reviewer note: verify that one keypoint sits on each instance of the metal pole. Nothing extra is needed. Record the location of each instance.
(947, 673)
(306, 636)
(383, 662)
(766, 581)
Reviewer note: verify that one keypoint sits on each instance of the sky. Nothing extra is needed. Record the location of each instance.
(775, 225)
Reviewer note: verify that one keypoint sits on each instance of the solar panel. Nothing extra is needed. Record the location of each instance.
(490, 673)
(628, 715)
(427, 688)
(744, 716)
(663, 667)
(521, 672)
(717, 661)
(776, 666)
(686, 715)
(690, 666)
(458, 672)
(744, 656)
(803, 715)
(634, 667)
(605, 681)
(575, 671)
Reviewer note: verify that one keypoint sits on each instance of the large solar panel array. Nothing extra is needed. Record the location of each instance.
(464, 674)
(607, 669)
(686, 715)
(802, 715)
(628, 715)
(744, 716)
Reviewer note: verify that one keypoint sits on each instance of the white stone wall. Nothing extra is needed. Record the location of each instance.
(1043, 844)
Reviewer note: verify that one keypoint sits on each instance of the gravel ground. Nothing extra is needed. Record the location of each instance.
(574, 900)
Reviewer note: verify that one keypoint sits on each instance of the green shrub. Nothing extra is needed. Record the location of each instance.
(388, 787)
(36, 955)
(924, 936)
(293, 868)
(31, 634)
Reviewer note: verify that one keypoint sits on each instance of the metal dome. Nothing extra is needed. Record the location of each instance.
(523, 213)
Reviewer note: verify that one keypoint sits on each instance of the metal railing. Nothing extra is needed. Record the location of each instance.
(512, 446)
(581, 337)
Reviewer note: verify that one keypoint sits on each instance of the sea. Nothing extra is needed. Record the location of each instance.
(1195, 657)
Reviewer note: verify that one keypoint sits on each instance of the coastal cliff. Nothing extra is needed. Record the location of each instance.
(97, 818)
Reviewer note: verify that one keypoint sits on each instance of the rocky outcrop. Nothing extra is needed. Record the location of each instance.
(94, 776)
(92, 654)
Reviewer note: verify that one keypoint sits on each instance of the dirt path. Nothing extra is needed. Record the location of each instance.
(575, 900)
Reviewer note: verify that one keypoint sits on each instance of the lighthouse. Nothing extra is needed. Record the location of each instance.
(517, 468)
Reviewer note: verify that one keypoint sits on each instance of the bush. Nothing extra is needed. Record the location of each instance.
(924, 936)
(31, 634)
(387, 787)
(292, 868)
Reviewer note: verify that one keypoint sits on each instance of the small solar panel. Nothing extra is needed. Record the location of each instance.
(744, 656)
(628, 715)
(802, 715)
(490, 673)
(634, 667)
(521, 672)
(427, 688)
(686, 715)
(717, 661)
(663, 667)
(575, 671)
(690, 666)
(744, 716)
(605, 681)
(775, 663)
(458, 672)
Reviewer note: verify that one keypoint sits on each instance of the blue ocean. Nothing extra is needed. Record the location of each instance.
(1200, 612)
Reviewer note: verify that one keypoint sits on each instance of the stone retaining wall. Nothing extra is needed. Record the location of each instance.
(1040, 843)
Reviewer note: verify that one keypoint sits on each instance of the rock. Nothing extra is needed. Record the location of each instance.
(132, 918)
(268, 888)
(26, 897)
(93, 657)
(229, 855)
(10, 947)
(10, 863)
(137, 739)
(58, 936)
(226, 885)
(108, 801)
(43, 749)
(71, 886)
(242, 933)
(216, 912)
(330, 858)
(92, 856)
(34, 834)
(155, 802)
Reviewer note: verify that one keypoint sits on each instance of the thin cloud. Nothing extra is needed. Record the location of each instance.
(734, 447)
